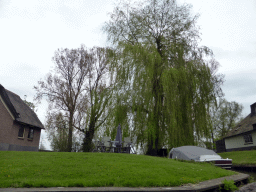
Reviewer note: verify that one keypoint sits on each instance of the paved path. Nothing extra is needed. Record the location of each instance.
(202, 186)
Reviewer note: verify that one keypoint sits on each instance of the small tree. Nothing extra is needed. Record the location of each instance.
(57, 130)
(224, 116)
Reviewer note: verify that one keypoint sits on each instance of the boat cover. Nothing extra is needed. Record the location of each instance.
(190, 153)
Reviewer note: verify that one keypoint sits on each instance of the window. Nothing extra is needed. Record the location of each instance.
(254, 126)
(248, 139)
(30, 133)
(21, 132)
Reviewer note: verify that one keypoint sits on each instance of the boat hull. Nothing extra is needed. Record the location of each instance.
(224, 163)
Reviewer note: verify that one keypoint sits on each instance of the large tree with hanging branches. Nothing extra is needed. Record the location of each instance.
(165, 80)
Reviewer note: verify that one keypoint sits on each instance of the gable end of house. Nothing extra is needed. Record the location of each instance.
(20, 128)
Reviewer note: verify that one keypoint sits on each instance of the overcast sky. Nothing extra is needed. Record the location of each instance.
(31, 30)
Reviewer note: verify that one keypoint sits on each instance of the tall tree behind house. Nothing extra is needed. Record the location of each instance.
(64, 86)
(81, 87)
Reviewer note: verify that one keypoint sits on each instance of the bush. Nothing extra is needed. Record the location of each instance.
(251, 179)
(229, 185)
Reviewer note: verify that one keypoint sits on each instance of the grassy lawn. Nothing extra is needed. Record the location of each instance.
(241, 157)
(49, 169)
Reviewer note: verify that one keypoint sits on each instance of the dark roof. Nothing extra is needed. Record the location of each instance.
(246, 125)
(8, 102)
(20, 110)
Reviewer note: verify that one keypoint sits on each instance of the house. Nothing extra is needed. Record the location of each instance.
(20, 127)
(243, 136)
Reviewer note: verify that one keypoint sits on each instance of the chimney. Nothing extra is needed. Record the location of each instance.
(253, 109)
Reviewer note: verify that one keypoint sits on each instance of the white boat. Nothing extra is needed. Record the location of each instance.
(199, 154)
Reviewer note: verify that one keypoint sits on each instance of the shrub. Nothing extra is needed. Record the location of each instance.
(229, 185)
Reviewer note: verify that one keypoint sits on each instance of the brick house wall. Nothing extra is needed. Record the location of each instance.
(6, 122)
(23, 144)
(9, 130)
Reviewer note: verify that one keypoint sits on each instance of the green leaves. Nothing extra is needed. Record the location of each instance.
(224, 116)
(164, 77)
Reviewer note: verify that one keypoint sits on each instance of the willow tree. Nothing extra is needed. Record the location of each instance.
(167, 80)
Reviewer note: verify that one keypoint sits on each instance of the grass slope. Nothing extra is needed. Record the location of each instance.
(35, 169)
(241, 157)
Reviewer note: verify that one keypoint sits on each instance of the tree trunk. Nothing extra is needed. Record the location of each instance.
(153, 140)
(212, 141)
(152, 146)
(88, 145)
(70, 132)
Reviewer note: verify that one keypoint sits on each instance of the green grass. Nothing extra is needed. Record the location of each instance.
(241, 157)
(35, 169)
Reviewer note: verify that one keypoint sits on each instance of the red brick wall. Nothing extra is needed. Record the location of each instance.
(24, 141)
(6, 122)
(9, 131)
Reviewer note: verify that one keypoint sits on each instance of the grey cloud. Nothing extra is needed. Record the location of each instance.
(241, 84)
(241, 87)
(247, 53)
